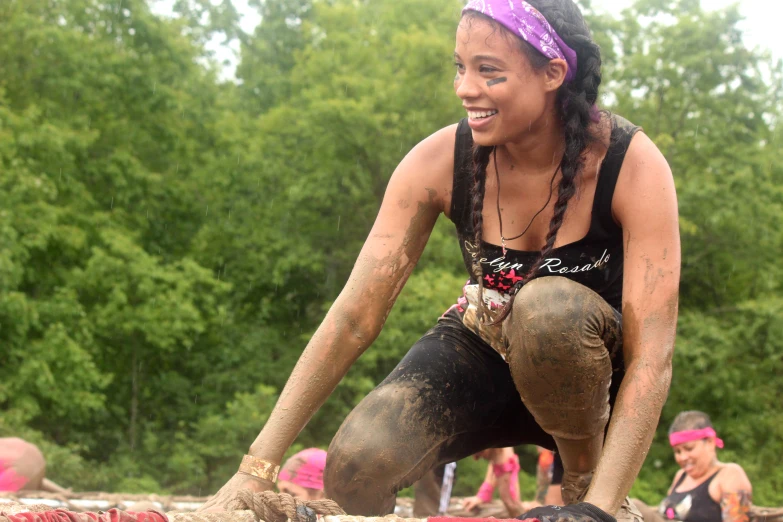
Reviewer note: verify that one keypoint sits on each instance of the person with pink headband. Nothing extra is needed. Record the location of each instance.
(302, 475)
(705, 489)
(562, 337)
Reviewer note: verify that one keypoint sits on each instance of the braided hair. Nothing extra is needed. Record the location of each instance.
(575, 103)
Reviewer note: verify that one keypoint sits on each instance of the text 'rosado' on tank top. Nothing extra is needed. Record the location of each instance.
(595, 261)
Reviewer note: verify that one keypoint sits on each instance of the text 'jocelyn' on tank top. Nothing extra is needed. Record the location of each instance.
(695, 505)
(595, 261)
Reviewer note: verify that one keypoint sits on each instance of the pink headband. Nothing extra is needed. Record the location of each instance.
(681, 437)
(305, 469)
(528, 23)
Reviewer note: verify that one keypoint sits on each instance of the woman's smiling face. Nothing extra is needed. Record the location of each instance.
(695, 457)
(504, 96)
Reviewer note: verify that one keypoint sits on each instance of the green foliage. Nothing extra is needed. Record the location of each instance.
(169, 242)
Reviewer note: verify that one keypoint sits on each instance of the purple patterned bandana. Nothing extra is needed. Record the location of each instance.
(525, 21)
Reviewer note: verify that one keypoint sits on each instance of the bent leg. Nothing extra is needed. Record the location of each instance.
(562, 338)
(447, 399)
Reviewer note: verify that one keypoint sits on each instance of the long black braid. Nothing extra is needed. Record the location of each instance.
(576, 105)
(481, 157)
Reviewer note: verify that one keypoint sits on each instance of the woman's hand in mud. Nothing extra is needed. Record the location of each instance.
(221, 500)
(471, 503)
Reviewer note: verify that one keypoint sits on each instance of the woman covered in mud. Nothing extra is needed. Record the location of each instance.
(563, 337)
(705, 489)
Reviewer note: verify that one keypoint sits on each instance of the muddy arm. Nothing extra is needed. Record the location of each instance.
(414, 198)
(411, 205)
(736, 494)
(645, 205)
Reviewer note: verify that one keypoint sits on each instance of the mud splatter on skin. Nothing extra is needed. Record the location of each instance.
(649, 328)
(350, 326)
(562, 337)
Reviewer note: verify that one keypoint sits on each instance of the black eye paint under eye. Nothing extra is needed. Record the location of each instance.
(496, 81)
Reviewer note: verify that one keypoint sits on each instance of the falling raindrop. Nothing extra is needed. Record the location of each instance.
(112, 202)
(338, 222)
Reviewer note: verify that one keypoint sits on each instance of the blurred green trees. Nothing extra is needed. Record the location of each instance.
(168, 240)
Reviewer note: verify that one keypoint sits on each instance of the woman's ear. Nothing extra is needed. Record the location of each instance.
(555, 73)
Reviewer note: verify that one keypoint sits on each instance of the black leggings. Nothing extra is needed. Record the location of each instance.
(452, 395)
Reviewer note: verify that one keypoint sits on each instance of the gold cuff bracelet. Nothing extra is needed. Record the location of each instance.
(259, 468)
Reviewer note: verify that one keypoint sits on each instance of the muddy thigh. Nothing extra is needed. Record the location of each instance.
(451, 396)
(562, 340)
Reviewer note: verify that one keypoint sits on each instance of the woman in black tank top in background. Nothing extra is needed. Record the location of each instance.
(567, 221)
(705, 489)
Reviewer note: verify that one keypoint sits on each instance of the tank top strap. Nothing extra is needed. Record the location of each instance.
(703, 486)
(622, 133)
(706, 483)
(603, 223)
(681, 479)
(463, 167)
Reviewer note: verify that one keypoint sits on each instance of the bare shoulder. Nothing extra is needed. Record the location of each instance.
(732, 477)
(430, 166)
(677, 477)
(646, 183)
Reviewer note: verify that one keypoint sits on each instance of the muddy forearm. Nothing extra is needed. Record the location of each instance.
(357, 316)
(631, 429)
(334, 347)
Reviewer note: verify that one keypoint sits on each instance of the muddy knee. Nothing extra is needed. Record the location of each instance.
(558, 332)
(356, 475)
(370, 458)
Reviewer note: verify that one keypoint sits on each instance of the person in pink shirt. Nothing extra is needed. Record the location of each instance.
(503, 474)
(22, 466)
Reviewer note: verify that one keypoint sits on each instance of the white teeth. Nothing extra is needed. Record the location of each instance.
(474, 115)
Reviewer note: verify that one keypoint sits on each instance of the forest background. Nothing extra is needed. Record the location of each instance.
(170, 240)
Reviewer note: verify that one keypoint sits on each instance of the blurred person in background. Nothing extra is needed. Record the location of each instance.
(302, 475)
(23, 466)
(503, 475)
(705, 489)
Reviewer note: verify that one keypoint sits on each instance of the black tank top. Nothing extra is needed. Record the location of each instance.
(695, 505)
(595, 261)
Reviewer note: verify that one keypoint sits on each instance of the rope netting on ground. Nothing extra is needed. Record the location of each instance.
(246, 507)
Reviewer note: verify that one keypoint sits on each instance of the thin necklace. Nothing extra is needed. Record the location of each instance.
(497, 204)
